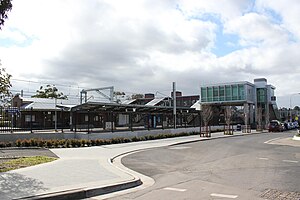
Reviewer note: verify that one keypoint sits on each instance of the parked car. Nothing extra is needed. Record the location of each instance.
(290, 125)
(275, 126)
(296, 125)
(284, 126)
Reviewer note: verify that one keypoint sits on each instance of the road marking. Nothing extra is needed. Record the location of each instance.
(175, 189)
(179, 148)
(290, 161)
(266, 142)
(224, 195)
(263, 158)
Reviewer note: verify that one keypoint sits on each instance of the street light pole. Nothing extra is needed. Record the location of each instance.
(55, 123)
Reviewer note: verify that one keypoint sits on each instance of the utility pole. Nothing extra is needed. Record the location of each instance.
(174, 104)
(55, 115)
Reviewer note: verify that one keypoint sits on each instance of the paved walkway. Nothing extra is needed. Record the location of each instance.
(80, 172)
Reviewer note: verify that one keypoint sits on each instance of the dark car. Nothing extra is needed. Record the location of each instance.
(275, 126)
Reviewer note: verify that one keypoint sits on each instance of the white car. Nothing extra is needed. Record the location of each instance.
(290, 125)
(296, 125)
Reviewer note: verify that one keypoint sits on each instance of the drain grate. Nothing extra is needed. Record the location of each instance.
(272, 194)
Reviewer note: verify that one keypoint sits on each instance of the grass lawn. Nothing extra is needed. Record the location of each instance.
(24, 162)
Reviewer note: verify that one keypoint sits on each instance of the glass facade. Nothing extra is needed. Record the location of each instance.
(235, 92)
(261, 95)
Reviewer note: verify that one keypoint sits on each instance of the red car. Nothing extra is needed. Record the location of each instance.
(275, 126)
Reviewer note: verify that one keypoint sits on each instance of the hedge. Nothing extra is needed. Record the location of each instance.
(73, 143)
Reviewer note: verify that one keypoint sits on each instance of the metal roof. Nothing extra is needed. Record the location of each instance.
(46, 104)
(128, 101)
(197, 105)
(154, 102)
(114, 107)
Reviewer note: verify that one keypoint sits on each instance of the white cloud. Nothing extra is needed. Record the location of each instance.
(288, 10)
(142, 46)
(255, 29)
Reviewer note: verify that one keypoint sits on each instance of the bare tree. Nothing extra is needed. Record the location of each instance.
(246, 118)
(228, 120)
(207, 114)
(259, 118)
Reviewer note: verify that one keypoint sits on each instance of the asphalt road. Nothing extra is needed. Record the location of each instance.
(231, 168)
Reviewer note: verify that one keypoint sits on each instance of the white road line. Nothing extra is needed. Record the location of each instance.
(175, 189)
(179, 148)
(263, 158)
(290, 161)
(224, 196)
(266, 142)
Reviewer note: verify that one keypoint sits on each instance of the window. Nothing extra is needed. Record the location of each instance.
(228, 93)
(86, 118)
(96, 118)
(209, 94)
(241, 92)
(203, 94)
(215, 94)
(222, 93)
(261, 95)
(234, 92)
(28, 118)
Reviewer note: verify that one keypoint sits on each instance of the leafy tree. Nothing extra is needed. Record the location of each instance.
(5, 85)
(5, 7)
(137, 96)
(50, 91)
(297, 108)
(118, 93)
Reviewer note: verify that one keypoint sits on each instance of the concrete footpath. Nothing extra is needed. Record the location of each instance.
(82, 172)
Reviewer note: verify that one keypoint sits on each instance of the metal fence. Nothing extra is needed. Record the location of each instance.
(14, 121)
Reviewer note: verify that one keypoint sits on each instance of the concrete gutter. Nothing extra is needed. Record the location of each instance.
(86, 192)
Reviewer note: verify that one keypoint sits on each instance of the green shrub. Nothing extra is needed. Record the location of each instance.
(68, 143)
(93, 142)
(18, 143)
(56, 143)
(25, 143)
(2, 144)
(74, 143)
(127, 140)
(88, 143)
(33, 142)
(41, 143)
(49, 143)
(135, 139)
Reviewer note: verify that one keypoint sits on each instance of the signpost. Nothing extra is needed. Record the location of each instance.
(12, 111)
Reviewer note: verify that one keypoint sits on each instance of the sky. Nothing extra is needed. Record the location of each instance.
(142, 46)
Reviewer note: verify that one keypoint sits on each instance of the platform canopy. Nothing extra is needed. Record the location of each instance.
(115, 107)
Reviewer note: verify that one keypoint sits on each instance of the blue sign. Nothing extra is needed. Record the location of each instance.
(13, 110)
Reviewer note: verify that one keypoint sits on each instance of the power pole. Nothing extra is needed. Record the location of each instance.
(174, 104)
